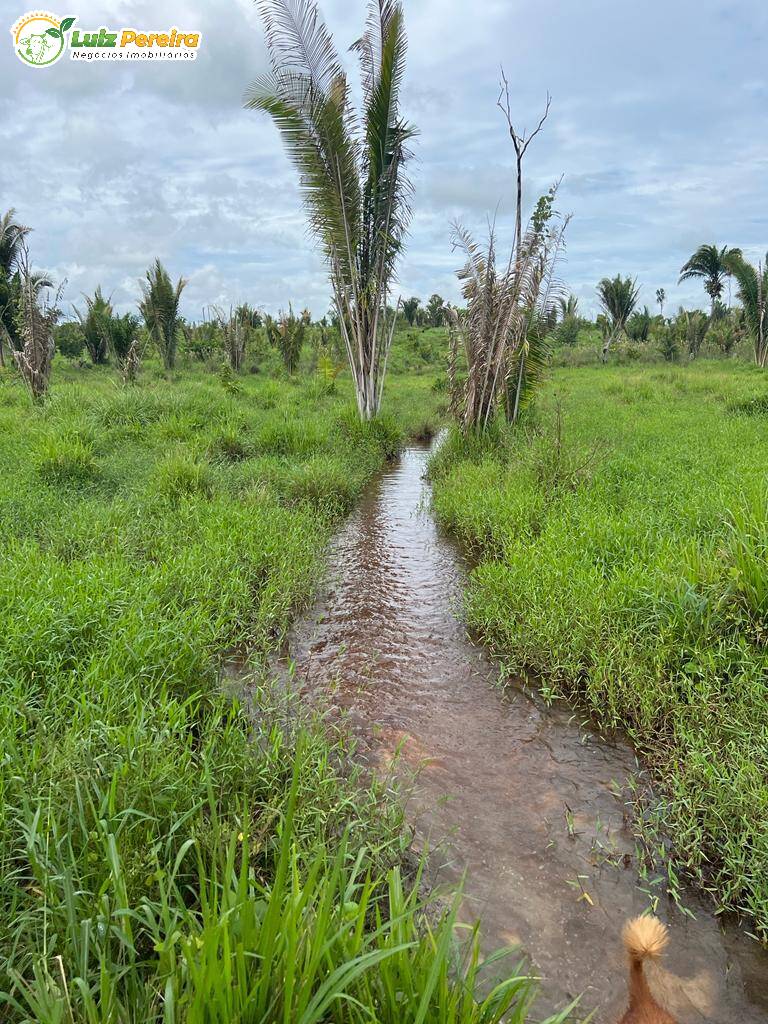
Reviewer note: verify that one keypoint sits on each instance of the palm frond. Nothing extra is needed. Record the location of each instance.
(753, 295)
(12, 235)
(529, 368)
(504, 324)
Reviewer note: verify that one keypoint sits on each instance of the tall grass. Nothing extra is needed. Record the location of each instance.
(169, 853)
(631, 572)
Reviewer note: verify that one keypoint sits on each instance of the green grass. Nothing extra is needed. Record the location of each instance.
(169, 853)
(628, 566)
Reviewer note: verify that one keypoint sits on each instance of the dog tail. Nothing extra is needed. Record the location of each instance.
(643, 937)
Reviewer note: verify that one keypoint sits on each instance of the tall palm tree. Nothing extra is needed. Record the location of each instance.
(618, 298)
(160, 308)
(350, 167)
(710, 264)
(753, 294)
(661, 298)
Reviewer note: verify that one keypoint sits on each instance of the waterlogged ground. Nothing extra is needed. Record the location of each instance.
(521, 798)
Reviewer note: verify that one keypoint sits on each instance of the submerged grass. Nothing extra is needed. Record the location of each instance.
(623, 555)
(166, 855)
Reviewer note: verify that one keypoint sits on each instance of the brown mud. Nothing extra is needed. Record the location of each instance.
(518, 797)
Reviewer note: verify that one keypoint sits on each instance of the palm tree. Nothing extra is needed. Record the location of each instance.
(661, 298)
(122, 337)
(435, 311)
(711, 265)
(503, 325)
(410, 308)
(350, 167)
(160, 308)
(753, 294)
(638, 326)
(94, 323)
(569, 307)
(618, 298)
(287, 335)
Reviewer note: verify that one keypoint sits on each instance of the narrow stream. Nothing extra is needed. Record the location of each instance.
(517, 795)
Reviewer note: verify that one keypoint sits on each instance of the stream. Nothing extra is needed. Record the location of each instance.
(517, 797)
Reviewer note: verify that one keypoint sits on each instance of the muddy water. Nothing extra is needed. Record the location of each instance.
(519, 797)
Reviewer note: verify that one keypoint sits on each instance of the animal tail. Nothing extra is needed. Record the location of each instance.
(643, 937)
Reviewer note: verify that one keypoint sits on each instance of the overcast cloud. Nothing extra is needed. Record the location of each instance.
(657, 126)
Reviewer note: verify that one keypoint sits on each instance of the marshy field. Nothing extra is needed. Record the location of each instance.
(375, 662)
(168, 843)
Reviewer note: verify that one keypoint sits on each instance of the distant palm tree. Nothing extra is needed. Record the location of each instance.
(94, 323)
(160, 308)
(569, 307)
(435, 311)
(410, 309)
(638, 326)
(753, 294)
(661, 298)
(618, 298)
(122, 336)
(350, 166)
(287, 335)
(710, 264)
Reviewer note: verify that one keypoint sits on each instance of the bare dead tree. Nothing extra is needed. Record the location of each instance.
(521, 141)
(131, 363)
(37, 316)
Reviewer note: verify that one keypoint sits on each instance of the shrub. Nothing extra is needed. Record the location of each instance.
(228, 446)
(568, 331)
(179, 476)
(666, 339)
(325, 483)
(383, 431)
(70, 340)
(66, 460)
(757, 406)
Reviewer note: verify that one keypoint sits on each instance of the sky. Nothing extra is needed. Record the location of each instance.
(657, 128)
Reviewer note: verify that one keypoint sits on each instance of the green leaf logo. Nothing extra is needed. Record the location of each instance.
(53, 32)
(67, 23)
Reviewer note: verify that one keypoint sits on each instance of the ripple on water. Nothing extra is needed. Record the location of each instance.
(516, 795)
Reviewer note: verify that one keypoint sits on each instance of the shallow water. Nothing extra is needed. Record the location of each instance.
(519, 796)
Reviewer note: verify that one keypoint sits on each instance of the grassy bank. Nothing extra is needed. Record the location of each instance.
(165, 856)
(623, 554)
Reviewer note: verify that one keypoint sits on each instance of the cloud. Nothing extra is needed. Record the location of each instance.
(656, 127)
